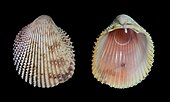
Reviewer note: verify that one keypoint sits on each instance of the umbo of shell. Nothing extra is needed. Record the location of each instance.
(43, 53)
(123, 54)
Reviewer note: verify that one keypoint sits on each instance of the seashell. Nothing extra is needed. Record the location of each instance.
(123, 54)
(43, 53)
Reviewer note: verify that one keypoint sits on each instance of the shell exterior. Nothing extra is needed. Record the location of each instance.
(123, 54)
(43, 53)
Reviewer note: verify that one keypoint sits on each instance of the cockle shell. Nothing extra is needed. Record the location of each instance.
(123, 54)
(43, 53)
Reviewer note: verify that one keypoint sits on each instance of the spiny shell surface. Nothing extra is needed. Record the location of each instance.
(43, 53)
(123, 54)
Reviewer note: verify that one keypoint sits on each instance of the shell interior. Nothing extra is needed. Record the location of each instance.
(123, 54)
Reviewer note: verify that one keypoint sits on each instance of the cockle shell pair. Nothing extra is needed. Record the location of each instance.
(44, 55)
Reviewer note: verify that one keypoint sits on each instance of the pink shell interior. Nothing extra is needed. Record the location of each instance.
(122, 57)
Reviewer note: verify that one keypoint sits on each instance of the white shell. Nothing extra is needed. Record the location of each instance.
(43, 53)
(123, 54)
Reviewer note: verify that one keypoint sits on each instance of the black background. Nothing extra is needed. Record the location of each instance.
(83, 22)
